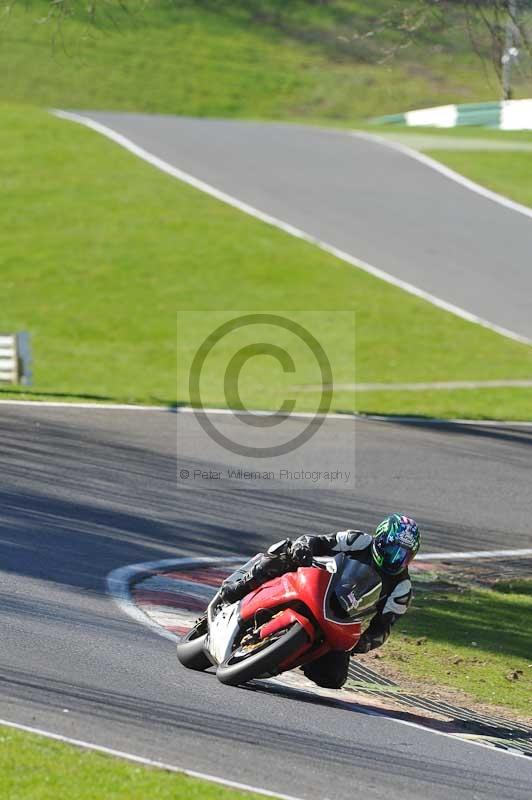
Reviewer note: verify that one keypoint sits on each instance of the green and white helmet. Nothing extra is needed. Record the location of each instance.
(395, 544)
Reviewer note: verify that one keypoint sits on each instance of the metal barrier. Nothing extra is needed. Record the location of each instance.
(15, 358)
(507, 115)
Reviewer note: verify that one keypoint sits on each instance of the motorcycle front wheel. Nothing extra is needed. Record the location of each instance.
(263, 661)
(191, 650)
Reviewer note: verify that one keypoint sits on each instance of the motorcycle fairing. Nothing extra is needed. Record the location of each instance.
(284, 619)
(223, 629)
(308, 585)
(276, 592)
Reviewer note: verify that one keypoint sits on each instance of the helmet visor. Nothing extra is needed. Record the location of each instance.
(396, 558)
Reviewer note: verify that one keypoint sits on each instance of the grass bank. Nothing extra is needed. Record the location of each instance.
(41, 769)
(267, 59)
(115, 249)
(491, 158)
(508, 173)
(477, 641)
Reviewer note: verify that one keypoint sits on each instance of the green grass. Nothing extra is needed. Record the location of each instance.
(509, 173)
(267, 59)
(436, 639)
(41, 769)
(103, 251)
(515, 586)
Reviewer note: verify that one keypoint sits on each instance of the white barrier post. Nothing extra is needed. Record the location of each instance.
(15, 358)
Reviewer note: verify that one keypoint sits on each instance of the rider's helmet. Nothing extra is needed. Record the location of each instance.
(395, 543)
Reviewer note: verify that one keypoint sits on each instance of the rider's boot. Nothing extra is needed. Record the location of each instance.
(260, 572)
(269, 565)
(232, 591)
(329, 671)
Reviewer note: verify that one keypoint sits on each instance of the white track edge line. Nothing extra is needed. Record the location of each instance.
(118, 584)
(471, 554)
(454, 736)
(447, 172)
(103, 406)
(147, 762)
(128, 606)
(352, 415)
(164, 166)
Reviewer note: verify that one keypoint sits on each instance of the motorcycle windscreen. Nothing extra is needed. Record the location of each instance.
(356, 589)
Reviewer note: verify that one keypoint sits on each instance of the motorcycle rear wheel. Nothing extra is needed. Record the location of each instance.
(239, 669)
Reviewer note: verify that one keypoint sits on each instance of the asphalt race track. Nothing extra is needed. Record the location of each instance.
(86, 491)
(363, 197)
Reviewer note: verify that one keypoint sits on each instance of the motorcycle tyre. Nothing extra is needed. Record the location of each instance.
(191, 652)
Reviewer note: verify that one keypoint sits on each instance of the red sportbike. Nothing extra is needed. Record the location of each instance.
(285, 623)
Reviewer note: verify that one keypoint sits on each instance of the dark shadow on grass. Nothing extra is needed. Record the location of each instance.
(323, 25)
(514, 586)
(496, 623)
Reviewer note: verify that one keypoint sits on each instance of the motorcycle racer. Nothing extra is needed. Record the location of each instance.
(389, 551)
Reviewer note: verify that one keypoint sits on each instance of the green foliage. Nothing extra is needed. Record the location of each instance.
(248, 59)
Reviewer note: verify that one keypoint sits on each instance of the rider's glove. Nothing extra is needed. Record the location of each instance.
(301, 554)
(279, 549)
